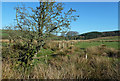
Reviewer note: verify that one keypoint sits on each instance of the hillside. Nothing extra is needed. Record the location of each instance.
(91, 35)
(88, 35)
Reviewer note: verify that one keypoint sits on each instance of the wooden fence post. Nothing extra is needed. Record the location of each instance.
(59, 45)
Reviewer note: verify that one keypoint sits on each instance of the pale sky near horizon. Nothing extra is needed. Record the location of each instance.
(94, 16)
(61, 0)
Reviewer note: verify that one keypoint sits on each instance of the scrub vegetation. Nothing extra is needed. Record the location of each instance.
(31, 50)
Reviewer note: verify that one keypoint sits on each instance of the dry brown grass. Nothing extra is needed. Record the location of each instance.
(73, 65)
(102, 50)
(64, 67)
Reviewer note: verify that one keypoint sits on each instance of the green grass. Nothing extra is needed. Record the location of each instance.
(111, 38)
(4, 44)
(43, 57)
(89, 44)
(45, 52)
(112, 44)
(4, 34)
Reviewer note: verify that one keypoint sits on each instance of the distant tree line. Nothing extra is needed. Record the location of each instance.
(74, 35)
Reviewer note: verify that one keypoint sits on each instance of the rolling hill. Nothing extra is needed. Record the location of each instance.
(91, 35)
(88, 35)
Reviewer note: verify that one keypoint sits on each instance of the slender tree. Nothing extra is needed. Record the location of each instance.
(37, 23)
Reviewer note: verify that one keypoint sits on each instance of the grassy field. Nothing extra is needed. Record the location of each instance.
(4, 34)
(90, 44)
(66, 62)
(111, 38)
(73, 65)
